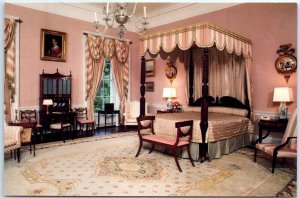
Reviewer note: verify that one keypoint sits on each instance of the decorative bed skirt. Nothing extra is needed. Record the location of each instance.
(215, 149)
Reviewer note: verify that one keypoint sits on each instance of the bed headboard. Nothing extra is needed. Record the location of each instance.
(225, 101)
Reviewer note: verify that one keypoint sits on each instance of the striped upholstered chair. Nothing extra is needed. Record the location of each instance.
(132, 111)
(12, 139)
(288, 146)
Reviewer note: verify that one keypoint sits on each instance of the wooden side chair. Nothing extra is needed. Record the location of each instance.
(184, 129)
(82, 120)
(288, 146)
(28, 118)
(63, 126)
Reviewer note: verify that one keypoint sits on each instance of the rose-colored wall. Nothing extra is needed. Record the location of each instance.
(31, 65)
(268, 25)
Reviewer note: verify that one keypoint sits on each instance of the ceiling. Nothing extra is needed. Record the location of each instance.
(157, 13)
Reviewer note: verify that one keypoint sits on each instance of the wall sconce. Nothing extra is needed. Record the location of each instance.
(283, 95)
(47, 102)
(169, 92)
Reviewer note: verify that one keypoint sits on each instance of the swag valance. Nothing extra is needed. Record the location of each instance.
(203, 35)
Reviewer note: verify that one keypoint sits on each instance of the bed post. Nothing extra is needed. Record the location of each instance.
(191, 79)
(142, 87)
(204, 106)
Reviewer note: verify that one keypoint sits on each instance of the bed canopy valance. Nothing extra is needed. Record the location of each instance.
(204, 36)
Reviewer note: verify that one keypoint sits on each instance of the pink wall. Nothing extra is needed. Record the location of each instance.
(268, 25)
(31, 65)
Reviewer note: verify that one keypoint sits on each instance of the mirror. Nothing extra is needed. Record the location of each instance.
(286, 63)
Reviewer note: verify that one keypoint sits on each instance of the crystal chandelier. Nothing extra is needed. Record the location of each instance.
(120, 15)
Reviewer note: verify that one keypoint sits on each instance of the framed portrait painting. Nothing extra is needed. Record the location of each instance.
(150, 68)
(53, 45)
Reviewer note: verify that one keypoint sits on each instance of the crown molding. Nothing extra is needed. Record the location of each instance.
(156, 17)
(182, 11)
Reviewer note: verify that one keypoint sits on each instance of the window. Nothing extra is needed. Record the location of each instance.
(106, 92)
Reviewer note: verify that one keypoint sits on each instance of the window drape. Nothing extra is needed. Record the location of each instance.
(120, 67)
(227, 74)
(10, 65)
(94, 68)
(97, 49)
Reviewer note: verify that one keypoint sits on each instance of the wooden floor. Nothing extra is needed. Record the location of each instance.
(50, 137)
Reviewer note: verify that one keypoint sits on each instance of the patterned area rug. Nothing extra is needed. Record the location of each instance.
(106, 166)
(290, 190)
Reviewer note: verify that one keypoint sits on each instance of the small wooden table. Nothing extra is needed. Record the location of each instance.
(276, 125)
(108, 113)
(33, 126)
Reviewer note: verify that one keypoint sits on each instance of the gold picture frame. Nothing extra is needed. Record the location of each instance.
(53, 45)
(150, 68)
(286, 65)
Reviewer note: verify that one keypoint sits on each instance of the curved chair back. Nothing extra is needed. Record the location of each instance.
(291, 130)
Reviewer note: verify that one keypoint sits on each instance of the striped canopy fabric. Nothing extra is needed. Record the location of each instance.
(203, 35)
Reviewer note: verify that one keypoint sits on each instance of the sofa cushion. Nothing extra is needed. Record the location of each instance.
(9, 143)
(283, 152)
(165, 140)
(26, 135)
(58, 126)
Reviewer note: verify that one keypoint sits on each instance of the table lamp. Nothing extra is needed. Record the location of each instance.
(169, 92)
(47, 102)
(283, 95)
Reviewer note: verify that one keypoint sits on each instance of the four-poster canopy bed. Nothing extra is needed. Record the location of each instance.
(201, 36)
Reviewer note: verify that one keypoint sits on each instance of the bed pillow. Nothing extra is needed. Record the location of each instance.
(192, 109)
(228, 110)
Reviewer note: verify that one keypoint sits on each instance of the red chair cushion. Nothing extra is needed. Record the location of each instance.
(165, 140)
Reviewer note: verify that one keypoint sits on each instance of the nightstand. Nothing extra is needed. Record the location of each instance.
(274, 125)
(167, 111)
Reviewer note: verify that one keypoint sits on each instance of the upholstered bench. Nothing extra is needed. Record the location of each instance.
(184, 129)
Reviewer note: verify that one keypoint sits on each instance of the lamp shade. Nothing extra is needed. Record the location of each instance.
(47, 102)
(169, 92)
(283, 94)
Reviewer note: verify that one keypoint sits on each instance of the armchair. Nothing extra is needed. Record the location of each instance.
(288, 146)
(12, 139)
(132, 111)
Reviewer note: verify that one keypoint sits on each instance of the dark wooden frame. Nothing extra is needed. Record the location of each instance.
(82, 120)
(26, 125)
(149, 86)
(175, 146)
(152, 74)
(204, 101)
(275, 151)
(63, 101)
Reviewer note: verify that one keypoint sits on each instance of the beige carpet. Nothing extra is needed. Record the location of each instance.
(106, 166)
